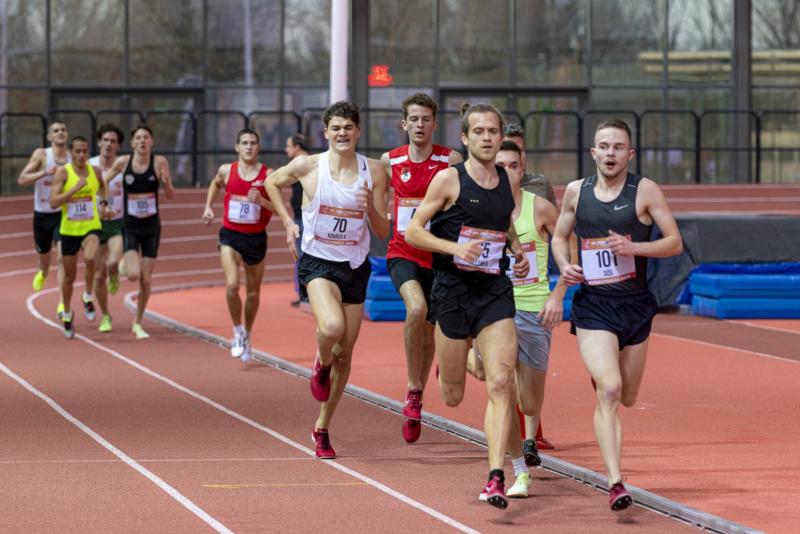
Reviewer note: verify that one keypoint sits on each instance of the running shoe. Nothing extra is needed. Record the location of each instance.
(113, 283)
(543, 444)
(531, 453)
(320, 381)
(520, 488)
(247, 354)
(494, 493)
(618, 497)
(324, 450)
(38, 280)
(105, 323)
(60, 311)
(411, 430)
(413, 406)
(88, 307)
(237, 345)
(69, 330)
(139, 332)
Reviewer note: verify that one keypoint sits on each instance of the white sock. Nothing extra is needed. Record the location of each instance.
(519, 465)
(87, 296)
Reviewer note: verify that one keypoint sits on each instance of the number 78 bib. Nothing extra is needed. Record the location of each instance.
(601, 266)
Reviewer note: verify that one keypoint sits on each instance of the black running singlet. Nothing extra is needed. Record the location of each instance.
(140, 196)
(605, 272)
(476, 207)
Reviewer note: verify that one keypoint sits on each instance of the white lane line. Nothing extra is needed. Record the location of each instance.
(766, 327)
(169, 490)
(274, 434)
(728, 347)
(16, 235)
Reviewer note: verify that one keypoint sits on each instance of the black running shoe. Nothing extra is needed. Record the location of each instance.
(531, 453)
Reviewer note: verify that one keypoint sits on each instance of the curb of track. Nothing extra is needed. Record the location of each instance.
(642, 497)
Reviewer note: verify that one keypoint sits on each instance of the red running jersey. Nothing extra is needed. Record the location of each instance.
(241, 214)
(410, 183)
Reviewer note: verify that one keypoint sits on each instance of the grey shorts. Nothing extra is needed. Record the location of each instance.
(534, 340)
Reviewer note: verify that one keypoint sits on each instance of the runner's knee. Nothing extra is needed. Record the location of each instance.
(330, 330)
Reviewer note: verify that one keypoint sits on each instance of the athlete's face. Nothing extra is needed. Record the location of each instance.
(484, 136)
(57, 134)
(109, 145)
(611, 152)
(512, 163)
(292, 150)
(80, 153)
(247, 147)
(520, 142)
(342, 134)
(419, 124)
(142, 141)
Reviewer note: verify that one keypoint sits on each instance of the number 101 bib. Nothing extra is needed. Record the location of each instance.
(493, 244)
(339, 226)
(601, 266)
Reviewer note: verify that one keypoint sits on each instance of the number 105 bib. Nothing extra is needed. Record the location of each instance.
(601, 266)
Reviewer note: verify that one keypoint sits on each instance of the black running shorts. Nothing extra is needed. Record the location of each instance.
(351, 282)
(71, 244)
(401, 270)
(145, 241)
(252, 247)
(45, 230)
(629, 317)
(463, 305)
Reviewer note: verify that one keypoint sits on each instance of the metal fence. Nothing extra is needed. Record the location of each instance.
(672, 146)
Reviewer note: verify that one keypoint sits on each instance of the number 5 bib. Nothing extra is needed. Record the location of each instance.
(339, 226)
(602, 266)
(493, 244)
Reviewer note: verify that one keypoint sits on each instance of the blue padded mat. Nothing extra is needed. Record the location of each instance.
(378, 264)
(745, 285)
(380, 287)
(787, 268)
(746, 308)
(384, 310)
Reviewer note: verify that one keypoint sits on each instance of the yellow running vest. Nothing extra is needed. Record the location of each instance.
(531, 292)
(79, 214)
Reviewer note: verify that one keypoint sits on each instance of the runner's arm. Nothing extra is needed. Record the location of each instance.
(58, 197)
(216, 185)
(571, 273)
(162, 170)
(285, 177)
(670, 244)
(33, 170)
(376, 208)
(254, 195)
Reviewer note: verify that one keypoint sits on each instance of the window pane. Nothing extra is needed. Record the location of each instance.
(627, 41)
(87, 50)
(19, 135)
(776, 42)
(230, 60)
(308, 41)
(700, 40)
(780, 134)
(22, 41)
(474, 42)
(166, 42)
(551, 37)
(406, 48)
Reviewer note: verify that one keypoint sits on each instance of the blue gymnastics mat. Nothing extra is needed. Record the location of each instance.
(745, 285)
(384, 310)
(746, 308)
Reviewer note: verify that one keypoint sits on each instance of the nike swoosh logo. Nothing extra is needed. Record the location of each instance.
(364, 168)
(431, 167)
(617, 208)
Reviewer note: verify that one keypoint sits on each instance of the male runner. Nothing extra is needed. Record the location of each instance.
(297, 145)
(410, 168)
(74, 191)
(109, 139)
(143, 174)
(341, 191)
(469, 207)
(243, 236)
(613, 213)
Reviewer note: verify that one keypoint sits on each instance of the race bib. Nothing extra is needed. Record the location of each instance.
(80, 208)
(493, 244)
(141, 205)
(339, 226)
(406, 208)
(529, 249)
(601, 266)
(242, 211)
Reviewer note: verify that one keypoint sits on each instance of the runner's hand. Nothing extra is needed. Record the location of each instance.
(292, 233)
(208, 215)
(469, 251)
(552, 313)
(572, 274)
(620, 244)
(521, 265)
(253, 194)
(363, 196)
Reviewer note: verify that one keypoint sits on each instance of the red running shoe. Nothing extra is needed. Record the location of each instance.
(544, 445)
(413, 406)
(322, 440)
(320, 381)
(411, 430)
(618, 497)
(494, 493)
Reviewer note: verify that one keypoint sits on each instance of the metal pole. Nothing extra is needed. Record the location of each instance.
(340, 33)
